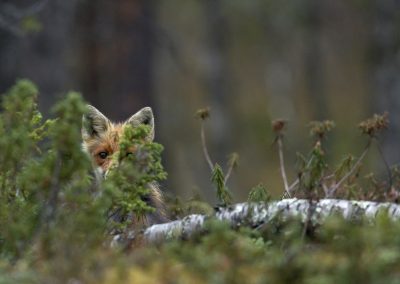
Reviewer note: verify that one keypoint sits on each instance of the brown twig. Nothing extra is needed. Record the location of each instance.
(297, 181)
(228, 174)
(204, 146)
(282, 165)
(350, 173)
(293, 185)
(389, 171)
(233, 163)
(278, 127)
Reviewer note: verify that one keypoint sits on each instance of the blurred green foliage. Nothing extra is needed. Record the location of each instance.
(53, 216)
(338, 252)
(259, 194)
(52, 212)
(138, 163)
(31, 24)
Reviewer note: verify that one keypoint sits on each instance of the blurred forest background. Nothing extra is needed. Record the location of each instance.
(249, 61)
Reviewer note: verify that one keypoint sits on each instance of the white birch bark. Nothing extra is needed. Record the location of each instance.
(255, 214)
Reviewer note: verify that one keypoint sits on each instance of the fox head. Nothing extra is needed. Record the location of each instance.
(101, 136)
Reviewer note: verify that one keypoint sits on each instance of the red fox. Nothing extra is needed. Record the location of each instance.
(101, 139)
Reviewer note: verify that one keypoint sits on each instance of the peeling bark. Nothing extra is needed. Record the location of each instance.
(255, 214)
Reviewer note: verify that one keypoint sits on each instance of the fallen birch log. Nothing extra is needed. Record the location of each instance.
(255, 214)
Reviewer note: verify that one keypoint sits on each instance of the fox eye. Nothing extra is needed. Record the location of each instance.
(103, 155)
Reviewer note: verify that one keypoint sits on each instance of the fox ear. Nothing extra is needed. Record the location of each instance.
(94, 123)
(144, 116)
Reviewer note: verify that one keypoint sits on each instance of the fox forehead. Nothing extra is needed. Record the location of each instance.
(107, 141)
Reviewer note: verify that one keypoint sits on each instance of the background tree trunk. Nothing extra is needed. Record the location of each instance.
(116, 45)
(386, 83)
(218, 79)
(43, 57)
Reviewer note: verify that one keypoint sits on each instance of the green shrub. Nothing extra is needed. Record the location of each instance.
(53, 225)
(52, 212)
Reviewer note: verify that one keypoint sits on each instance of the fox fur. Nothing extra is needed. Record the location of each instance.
(100, 139)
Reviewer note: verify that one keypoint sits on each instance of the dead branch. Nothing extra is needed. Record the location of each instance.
(256, 214)
(205, 150)
(282, 166)
(350, 173)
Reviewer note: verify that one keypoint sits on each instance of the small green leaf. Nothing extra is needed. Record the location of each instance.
(259, 193)
(218, 180)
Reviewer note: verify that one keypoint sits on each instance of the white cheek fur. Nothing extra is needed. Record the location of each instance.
(99, 173)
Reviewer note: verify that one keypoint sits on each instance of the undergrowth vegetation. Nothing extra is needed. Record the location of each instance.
(54, 225)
